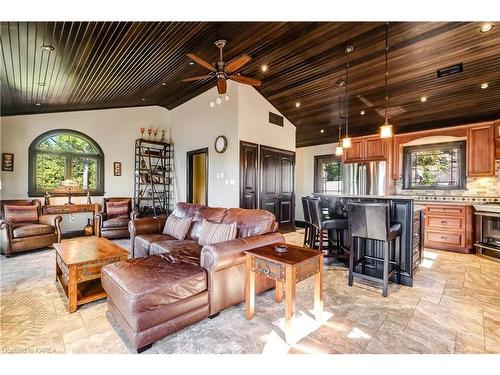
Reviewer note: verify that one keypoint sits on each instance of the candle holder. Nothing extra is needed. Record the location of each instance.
(155, 132)
(142, 133)
(149, 133)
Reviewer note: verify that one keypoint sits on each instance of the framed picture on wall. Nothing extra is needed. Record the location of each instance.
(117, 168)
(7, 162)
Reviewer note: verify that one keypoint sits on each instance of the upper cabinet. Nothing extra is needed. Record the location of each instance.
(497, 139)
(366, 149)
(481, 151)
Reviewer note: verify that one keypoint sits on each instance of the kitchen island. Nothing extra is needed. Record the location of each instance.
(402, 210)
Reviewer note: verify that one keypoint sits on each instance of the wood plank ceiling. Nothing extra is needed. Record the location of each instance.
(121, 64)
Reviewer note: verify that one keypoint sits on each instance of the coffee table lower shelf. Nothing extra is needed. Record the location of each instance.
(86, 291)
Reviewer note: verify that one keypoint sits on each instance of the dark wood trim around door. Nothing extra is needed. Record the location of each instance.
(249, 175)
(189, 173)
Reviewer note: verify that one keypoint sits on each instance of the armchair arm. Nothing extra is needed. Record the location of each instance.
(56, 223)
(226, 254)
(7, 225)
(99, 219)
(134, 215)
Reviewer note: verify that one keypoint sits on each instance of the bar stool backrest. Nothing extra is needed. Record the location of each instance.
(368, 220)
(305, 208)
(316, 212)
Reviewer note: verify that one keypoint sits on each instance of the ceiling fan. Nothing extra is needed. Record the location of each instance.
(224, 71)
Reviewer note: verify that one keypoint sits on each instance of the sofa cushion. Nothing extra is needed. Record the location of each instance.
(177, 251)
(250, 222)
(32, 230)
(120, 221)
(212, 214)
(143, 285)
(118, 208)
(143, 242)
(177, 227)
(21, 214)
(214, 232)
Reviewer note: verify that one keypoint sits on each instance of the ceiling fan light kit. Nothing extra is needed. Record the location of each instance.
(386, 129)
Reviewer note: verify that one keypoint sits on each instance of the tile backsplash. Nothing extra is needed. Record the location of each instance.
(477, 187)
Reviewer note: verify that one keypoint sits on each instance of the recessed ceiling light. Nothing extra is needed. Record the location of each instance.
(191, 63)
(423, 99)
(485, 85)
(41, 83)
(264, 68)
(143, 99)
(164, 83)
(322, 131)
(47, 47)
(362, 113)
(297, 104)
(38, 104)
(485, 27)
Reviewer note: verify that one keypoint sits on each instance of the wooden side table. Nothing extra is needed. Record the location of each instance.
(287, 269)
(72, 209)
(78, 267)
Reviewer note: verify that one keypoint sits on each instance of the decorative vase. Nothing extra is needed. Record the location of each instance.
(88, 230)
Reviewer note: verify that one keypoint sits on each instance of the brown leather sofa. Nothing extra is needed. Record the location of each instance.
(114, 226)
(21, 236)
(171, 284)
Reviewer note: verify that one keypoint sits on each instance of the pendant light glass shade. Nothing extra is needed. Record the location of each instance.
(386, 131)
(346, 142)
(386, 128)
(338, 149)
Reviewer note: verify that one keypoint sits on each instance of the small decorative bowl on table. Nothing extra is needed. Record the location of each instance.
(281, 249)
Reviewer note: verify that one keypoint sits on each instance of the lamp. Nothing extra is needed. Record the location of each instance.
(339, 150)
(386, 128)
(69, 186)
(346, 142)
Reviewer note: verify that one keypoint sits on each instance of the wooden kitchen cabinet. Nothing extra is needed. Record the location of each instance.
(481, 151)
(449, 227)
(497, 139)
(366, 149)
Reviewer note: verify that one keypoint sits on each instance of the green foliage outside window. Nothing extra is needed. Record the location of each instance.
(333, 171)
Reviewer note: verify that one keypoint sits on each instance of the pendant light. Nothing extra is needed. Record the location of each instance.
(346, 142)
(339, 150)
(386, 128)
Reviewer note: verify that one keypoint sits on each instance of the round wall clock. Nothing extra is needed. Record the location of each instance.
(220, 144)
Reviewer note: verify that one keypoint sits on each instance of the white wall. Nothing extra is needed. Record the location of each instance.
(253, 120)
(195, 125)
(304, 171)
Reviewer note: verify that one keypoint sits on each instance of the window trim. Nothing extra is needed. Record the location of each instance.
(317, 182)
(33, 152)
(461, 167)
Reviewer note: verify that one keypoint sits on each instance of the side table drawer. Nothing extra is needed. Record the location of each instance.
(270, 269)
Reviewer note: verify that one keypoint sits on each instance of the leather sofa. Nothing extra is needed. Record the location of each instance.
(17, 236)
(171, 284)
(114, 226)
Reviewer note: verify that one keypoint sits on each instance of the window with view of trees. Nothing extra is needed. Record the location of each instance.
(436, 166)
(327, 174)
(65, 155)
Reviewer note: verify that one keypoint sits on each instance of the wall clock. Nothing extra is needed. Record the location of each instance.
(220, 144)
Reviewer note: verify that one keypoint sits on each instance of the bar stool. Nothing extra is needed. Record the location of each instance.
(307, 220)
(320, 224)
(372, 221)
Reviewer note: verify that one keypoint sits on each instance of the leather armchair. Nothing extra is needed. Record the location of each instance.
(23, 236)
(114, 226)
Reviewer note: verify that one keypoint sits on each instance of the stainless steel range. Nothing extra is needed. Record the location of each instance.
(488, 216)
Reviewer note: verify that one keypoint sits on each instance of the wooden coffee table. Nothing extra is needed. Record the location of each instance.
(78, 267)
(287, 269)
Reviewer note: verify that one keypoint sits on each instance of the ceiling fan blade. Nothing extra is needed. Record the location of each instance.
(197, 78)
(201, 62)
(237, 63)
(246, 80)
(221, 86)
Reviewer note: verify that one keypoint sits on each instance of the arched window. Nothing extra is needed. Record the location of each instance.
(62, 154)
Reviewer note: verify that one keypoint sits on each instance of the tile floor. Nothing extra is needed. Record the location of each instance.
(454, 307)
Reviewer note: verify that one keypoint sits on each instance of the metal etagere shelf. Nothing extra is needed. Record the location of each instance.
(153, 187)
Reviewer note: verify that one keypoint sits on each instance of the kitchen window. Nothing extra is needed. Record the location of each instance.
(327, 174)
(62, 154)
(435, 166)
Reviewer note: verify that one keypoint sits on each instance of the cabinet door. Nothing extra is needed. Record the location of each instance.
(376, 149)
(481, 151)
(356, 152)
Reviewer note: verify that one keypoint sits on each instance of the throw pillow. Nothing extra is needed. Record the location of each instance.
(214, 233)
(21, 214)
(117, 208)
(177, 227)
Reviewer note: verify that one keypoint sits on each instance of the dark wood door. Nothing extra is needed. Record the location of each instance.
(248, 175)
(277, 192)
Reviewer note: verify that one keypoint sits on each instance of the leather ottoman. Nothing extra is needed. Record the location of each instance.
(154, 296)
